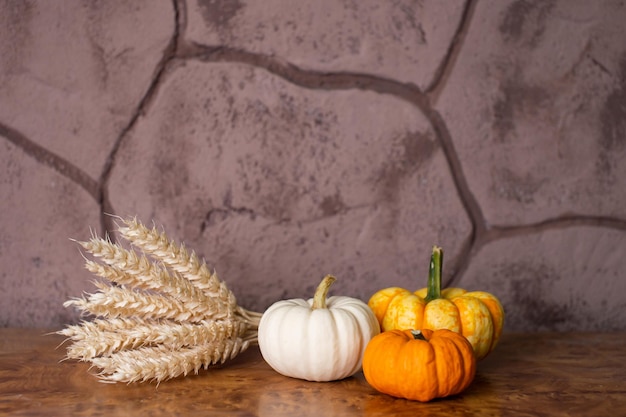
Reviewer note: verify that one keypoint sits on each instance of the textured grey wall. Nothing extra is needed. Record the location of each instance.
(285, 140)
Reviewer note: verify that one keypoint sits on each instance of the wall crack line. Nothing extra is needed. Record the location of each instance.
(51, 160)
(563, 222)
(448, 62)
(169, 54)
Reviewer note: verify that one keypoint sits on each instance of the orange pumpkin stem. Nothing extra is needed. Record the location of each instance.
(434, 274)
(418, 335)
(319, 299)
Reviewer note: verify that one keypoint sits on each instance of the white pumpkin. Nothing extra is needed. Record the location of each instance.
(318, 339)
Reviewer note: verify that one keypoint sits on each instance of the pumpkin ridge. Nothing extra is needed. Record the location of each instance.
(302, 333)
(469, 369)
(449, 350)
(362, 326)
(496, 313)
(379, 302)
(441, 364)
(320, 329)
(340, 348)
(430, 381)
(400, 386)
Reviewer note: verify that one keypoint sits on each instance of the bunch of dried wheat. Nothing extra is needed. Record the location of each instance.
(161, 312)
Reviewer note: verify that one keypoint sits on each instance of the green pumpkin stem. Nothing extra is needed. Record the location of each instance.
(319, 299)
(418, 335)
(434, 274)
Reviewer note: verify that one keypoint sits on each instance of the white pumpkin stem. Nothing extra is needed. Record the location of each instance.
(319, 299)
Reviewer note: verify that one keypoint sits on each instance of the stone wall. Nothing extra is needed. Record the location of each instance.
(284, 140)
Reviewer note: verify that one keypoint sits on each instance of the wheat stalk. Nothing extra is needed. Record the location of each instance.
(179, 259)
(160, 363)
(91, 341)
(174, 256)
(116, 302)
(130, 268)
(158, 279)
(162, 313)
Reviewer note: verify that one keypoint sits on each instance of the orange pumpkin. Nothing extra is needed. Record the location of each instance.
(477, 315)
(419, 364)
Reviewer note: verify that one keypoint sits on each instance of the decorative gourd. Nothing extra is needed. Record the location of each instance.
(477, 315)
(318, 339)
(419, 364)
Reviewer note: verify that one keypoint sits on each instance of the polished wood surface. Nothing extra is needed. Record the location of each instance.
(527, 375)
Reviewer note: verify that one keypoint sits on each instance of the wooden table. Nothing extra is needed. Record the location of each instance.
(527, 375)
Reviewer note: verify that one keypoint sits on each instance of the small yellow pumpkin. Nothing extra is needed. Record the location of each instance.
(477, 315)
(419, 364)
